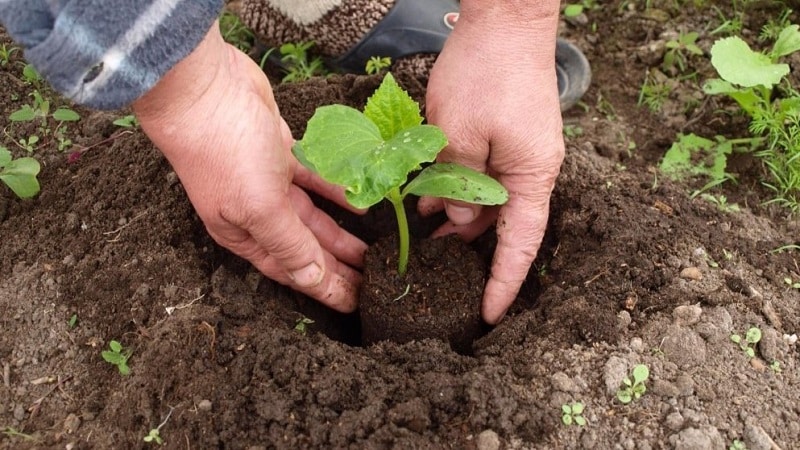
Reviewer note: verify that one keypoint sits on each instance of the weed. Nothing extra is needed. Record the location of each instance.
(772, 29)
(31, 76)
(376, 64)
(785, 248)
(129, 121)
(791, 283)
(572, 131)
(154, 436)
(721, 202)
(50, 124)
(737, 445)
(73, 320)
(572, 413)
(299, 65)
(235, 32)
(13, 432)
(371, 154)
(301, 325)
(775, 366)
(19, 174)
(633, 386)
(748, 344)
(5, 54)
(576, 9)
(653, 93)
(679, 51)
(118, 356)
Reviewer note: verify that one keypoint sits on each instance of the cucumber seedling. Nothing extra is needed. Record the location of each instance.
(19, 174)
(372, 153)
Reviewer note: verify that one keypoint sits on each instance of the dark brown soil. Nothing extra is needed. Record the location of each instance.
(632, 271)
(439, 297)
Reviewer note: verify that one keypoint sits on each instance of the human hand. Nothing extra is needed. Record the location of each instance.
(493, 91)
(215, 119)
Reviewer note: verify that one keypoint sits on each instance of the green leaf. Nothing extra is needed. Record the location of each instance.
(753, 335)
(580, 421)
(573, 10)
(457, 183)
(624, 396)
(20, 176)
(640, 373)
(392, 109)
(65, 115)
(346, 148)
(577, 408)
(738, 64)
(681, 160)
(123, 368)
(24, 114)
(566, 419)
(115, 346)
(5, 156)
(788, 42)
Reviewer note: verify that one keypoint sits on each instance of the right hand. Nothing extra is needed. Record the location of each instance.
(215, 119)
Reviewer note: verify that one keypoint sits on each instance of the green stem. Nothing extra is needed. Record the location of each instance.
(402, 229)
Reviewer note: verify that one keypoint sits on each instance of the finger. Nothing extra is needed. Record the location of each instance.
(428, 206)
(471, 231)
(341, 244)
(309, 180)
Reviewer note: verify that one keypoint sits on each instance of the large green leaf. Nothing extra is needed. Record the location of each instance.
(346, 148)
(788, 42)
(457, 182)
(392, 109)
(20, 176)
(693, 155)
(738, 64)
(5, 157)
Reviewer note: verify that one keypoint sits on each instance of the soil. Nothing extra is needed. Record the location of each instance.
(633, 271)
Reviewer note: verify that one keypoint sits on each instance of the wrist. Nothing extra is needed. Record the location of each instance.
(512, 13)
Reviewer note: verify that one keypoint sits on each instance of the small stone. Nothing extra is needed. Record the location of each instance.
(488, 440)
(562, 382)
(686, 315)
(614, 371)
(636, 344)
(684, 347)
(757, 364)
(674, 421)
(72, 423)
(664, 388)
(624, 320)
(771, 346)
(204, 405)
(685, 385)
(699, 439)
(19, 413)
(691, 273)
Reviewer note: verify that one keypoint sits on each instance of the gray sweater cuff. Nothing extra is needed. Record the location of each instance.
(107, 53)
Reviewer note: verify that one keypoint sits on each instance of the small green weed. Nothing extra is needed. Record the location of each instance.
(772, 29)
(31, 76)
(19, 174)
(679, 51)
(301, 325)
(49, 123)
(775, 366)
(129, 121)
(118, 356)
(792, 283)
(572, 131)
(653, 93)
(154, 436)
(748, 344)
(300, 65)
(5, 54)
(73, 321)
(737, 445)
(13, 432)
(572, 413)
(235, 32)
(633, 386)
(377, 63)
(576, 9)
(721, 202)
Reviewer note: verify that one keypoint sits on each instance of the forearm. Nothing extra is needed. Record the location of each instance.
(106, 53)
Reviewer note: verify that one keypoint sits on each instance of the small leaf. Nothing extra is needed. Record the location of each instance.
(738, 64)
(753, 335)
(750, 352)
(457, 182)
(640, 373)
(20, 176)
(580, 421)
(566, 419)
(24, 114)
(624, 396)
(736, 338)
(577, 408)
(115, 346)
(788, 41)
(123, 368)
(392, 109)
(573, 10)
(65, 115)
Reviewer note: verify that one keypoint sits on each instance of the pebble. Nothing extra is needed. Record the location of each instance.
(674, 421)
(72, 423)
(664, 388)
(19, 413)
(636, 344)
(686, 315)
(684, 347)
(562, 382)
(698, 439)
(614, 371)
(772, 346)
(488, 440)
(691, 273)
(685, 385)
(204, 405)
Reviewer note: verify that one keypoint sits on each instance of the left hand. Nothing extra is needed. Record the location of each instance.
(493, 92)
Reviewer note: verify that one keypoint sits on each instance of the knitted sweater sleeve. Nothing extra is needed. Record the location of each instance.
(106, 53)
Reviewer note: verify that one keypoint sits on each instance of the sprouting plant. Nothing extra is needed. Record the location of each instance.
(576, 9)
(5, 54)
(573, 413)
(721, 202)
(633, 387)
(572, 131)
(679, 51)
(299, 65)
(118, 356)
(129, 121)
(235, 32)
(372, 153)
(692, 155)
(772, 29)
(752, 79)
(791, 283)
(19, 174)
(376, 64)
(13, 432)
(748, 344)
(73, 320)
(653, 93)
(775, 366)
(31, 76)
(301, 325)
(154, 436)
(737, 445)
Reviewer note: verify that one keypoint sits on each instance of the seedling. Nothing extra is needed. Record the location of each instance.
(737, 445)
(680, 50)
(791, 283)
(576, 9)
(31, 76)
(300, 66)
(653, 93)
(633, 387)
(772, 29)
(751, 79)
(128, 121)
(775, 366)
(13, 432)
(572, 413)
(371, 154)
(748, 344)
(73, 320)
(5, 54)
(154, 436)
(19, 174)
(721, 202)
(692, 155)
(118, 356)
(235, 32)
(301, 325)
(376, 64)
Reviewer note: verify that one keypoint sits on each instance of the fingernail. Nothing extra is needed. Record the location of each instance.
(460, 215)
(308, 276)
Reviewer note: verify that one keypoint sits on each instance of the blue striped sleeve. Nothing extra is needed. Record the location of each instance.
(107, 53)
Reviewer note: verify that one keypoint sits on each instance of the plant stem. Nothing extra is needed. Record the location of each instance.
(402, 229)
